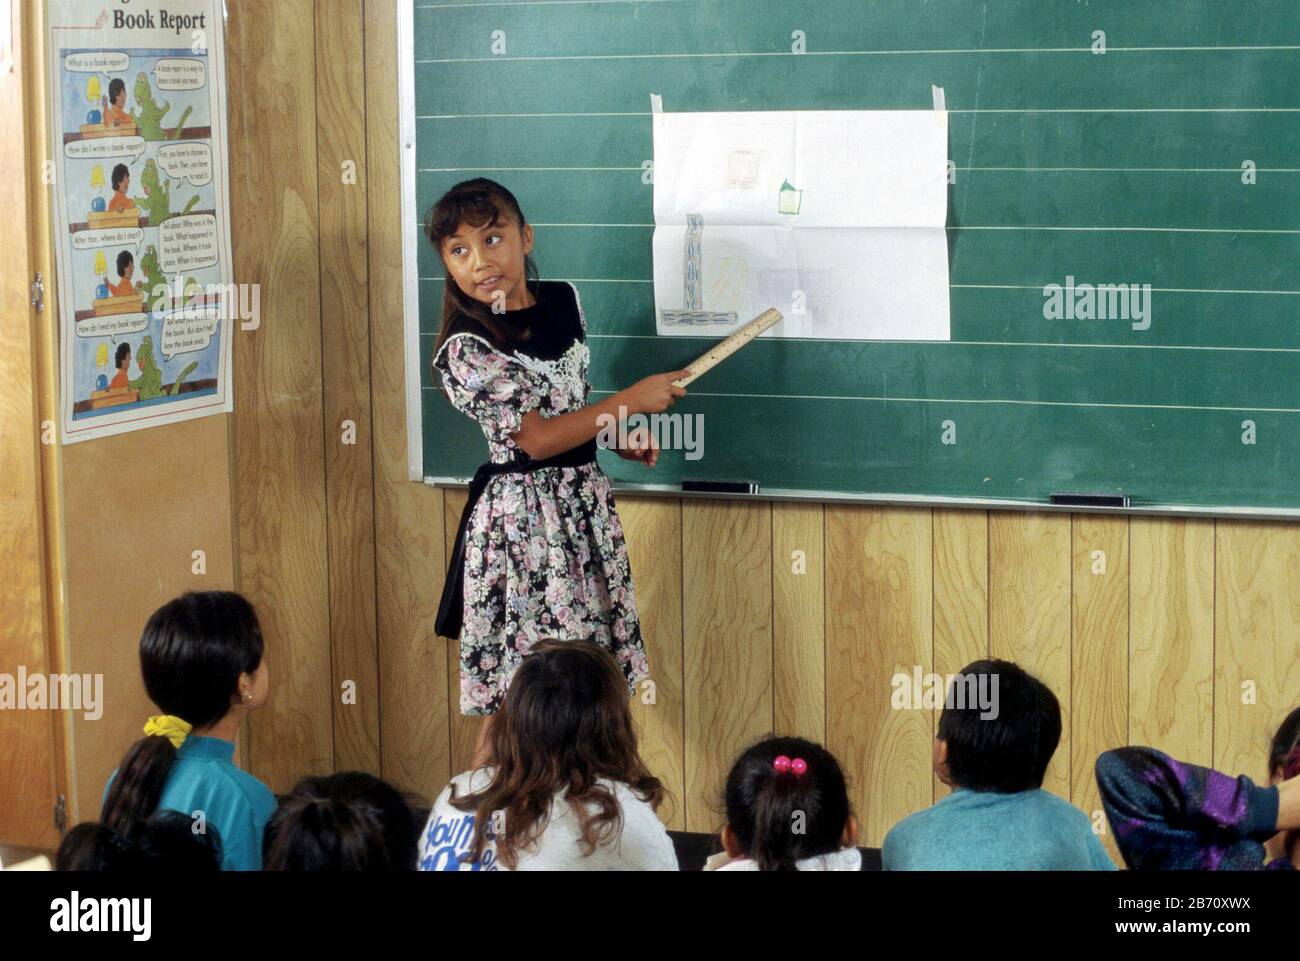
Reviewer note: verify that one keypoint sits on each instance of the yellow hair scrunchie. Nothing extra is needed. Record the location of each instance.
(169, 726)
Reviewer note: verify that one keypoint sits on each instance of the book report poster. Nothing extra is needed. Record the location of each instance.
(141, 213)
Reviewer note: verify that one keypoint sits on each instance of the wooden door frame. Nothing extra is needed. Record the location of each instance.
(36, 764)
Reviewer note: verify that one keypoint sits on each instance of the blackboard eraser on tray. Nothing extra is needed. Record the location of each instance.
(719, 487)
(1090, 500)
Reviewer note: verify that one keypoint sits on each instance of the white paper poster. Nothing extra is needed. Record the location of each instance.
(142, 226)
(836, 218)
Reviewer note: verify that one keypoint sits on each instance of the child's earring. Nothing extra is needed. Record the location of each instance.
(245, 695)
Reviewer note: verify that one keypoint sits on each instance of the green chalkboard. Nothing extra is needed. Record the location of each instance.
(1170, 159)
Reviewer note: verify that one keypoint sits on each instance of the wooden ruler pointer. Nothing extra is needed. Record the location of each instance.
(720, 352)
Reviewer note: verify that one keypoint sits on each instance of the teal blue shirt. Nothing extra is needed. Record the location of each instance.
(987, 831)
(203, 778)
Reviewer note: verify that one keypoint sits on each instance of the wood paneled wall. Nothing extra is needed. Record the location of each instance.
(760, 616)
(1179, 633)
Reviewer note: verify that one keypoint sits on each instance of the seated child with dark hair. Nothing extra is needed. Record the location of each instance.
(787, 810)
(1171, 816)
(201, 656)
(564, 788)
(345, 822)
(994, 751)
(165, 843)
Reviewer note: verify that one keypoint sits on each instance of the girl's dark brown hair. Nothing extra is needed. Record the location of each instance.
(192, 651)
(565, 724)
(476, 202)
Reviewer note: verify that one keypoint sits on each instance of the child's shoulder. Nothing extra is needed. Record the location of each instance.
(903, 830)
(630, 801)
(563, 297)
(468, 782)
(556, 291)
(251, 784)
(220, 789)
(567, 290)
(463, 324)
(1053, 802)
(954, 808)
(1058, 808)
(246, 787)
(467, 341)
(560, 288)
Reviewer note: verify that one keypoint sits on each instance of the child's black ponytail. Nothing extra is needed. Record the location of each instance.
(192, 651)
(138, 785)
(782, 813)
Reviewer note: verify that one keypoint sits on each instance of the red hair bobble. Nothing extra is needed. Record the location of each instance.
(784, 765)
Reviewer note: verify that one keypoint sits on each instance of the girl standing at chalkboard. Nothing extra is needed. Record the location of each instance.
(540, 551)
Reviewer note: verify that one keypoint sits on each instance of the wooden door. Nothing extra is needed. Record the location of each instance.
(32, 776)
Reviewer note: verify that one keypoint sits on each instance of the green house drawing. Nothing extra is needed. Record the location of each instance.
(790, 199)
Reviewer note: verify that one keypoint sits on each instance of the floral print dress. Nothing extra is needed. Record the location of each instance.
(544, 551)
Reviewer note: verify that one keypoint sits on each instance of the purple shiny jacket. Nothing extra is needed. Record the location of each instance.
(1171, 816)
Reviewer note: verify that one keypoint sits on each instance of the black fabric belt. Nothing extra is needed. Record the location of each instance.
(451, 607)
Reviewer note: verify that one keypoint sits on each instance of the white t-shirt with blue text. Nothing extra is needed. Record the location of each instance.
(642, 845)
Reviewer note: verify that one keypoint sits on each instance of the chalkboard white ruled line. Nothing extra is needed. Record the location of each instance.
(967, 400)
(1164, 290)
(596, 280)
(534, 3)
(1145, 230)
(1140, 230)
(956, 343)
(647, 113)
(1129, 170)
(474, 116)
(441, 170)
(965, 343)
(1119, 109)
(741, 54)
(1037, 287)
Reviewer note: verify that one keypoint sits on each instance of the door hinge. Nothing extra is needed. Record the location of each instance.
(61, 814)
(38, 293)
